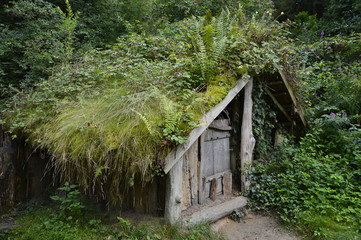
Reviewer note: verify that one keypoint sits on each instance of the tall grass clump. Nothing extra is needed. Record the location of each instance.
(102, 143)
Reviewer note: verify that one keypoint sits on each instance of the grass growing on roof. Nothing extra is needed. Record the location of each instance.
(100, 142)
(115, 113)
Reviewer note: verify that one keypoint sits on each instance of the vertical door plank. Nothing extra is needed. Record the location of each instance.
(221, 155)
(193, 169)
(227, 184)
(208, 158)
(201, 179)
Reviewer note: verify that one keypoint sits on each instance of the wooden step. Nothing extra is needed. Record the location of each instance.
(212, 214)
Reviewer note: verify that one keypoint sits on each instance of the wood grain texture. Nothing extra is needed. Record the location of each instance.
(227, 184)
(201, 178)
(247, 139)
(173, 201)
(186, 189)
(193, 172)
(214, 213)
(213, 189)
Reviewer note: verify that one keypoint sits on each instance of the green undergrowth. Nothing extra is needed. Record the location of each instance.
(116, 113)
(36, 225)
(69, 217)
(318, 192)
(315, 186)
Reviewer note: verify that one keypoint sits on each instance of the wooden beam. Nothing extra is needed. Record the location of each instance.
(176, 154)
(247, 139)
(293, 97)
(214, 213)
(275, 83)
(278, 104)
(173, 195)
(193, 171)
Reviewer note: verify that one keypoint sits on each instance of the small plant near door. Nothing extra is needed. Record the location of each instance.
(238, 215)
(70, 205)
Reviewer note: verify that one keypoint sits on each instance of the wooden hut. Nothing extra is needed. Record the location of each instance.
(200, 184)
(203, 175)
(199, 172)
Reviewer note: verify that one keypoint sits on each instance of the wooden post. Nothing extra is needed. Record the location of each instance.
(173, 201)
(213, 191)
(227, 184)
(247, 139)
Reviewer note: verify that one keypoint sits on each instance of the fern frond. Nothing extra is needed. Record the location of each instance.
(170, 114)
(202, 54)
(147, 124)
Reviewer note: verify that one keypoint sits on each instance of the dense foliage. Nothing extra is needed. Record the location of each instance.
(316, 185)
(40, 34)
(34, 36)
(69, 217)
(331, 17)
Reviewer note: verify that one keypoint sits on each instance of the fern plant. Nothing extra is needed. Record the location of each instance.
(210, 42)
(172, 116)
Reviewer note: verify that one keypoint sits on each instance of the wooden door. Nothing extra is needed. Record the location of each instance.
(215, 161)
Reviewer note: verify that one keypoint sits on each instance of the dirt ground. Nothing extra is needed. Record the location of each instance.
(253, 227)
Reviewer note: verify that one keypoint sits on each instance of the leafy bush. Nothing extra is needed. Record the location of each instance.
(315, 187)
(331, 77)
(34, 37)
(321, 18)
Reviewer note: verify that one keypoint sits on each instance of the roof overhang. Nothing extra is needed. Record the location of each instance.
(176, 154)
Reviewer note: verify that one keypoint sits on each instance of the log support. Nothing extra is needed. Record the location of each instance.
(173, 201)
(247, 139)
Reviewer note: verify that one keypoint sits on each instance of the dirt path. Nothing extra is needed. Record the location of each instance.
(253, 227)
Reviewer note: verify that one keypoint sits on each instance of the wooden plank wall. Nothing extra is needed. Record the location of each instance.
(202, 176)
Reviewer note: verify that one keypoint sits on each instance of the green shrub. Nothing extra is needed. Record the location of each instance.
(315, 187)
(33, 38)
